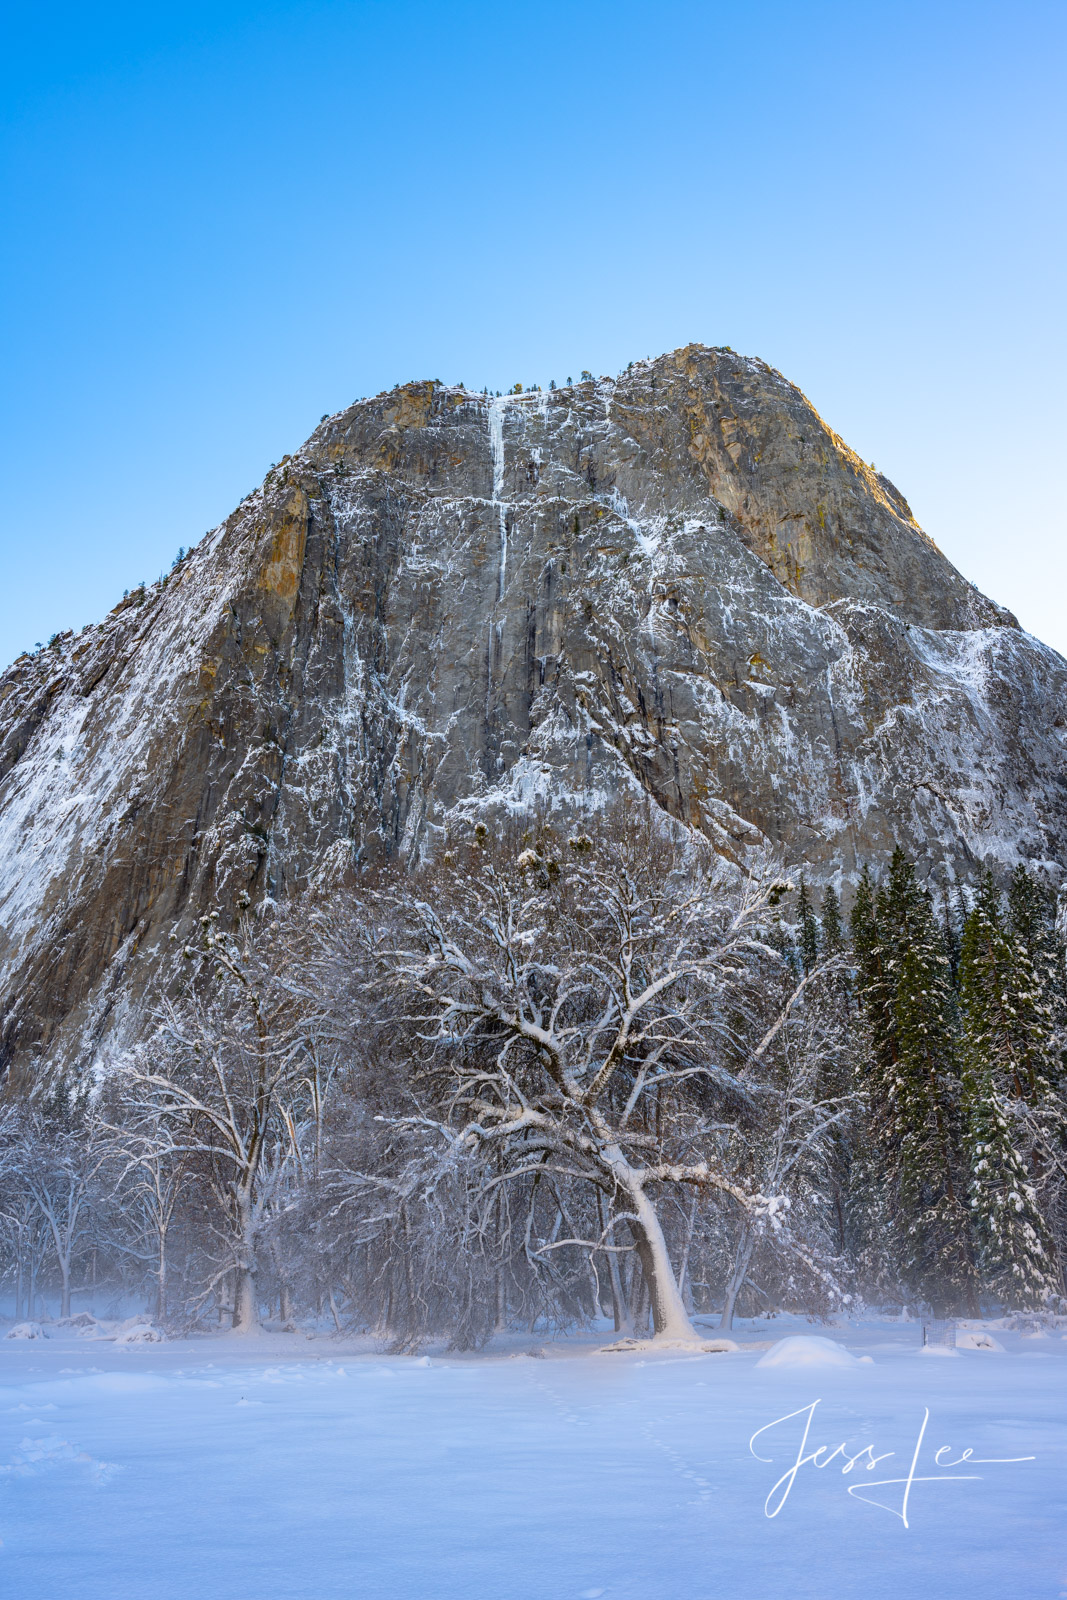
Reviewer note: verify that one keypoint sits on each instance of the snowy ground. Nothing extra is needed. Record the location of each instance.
(288, 1467)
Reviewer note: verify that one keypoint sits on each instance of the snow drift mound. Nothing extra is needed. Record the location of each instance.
(977, 1339)
(140, 1333)
(26, 1330)
(808, 1350)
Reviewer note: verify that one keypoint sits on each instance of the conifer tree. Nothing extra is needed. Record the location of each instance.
(1032, 917)
(1007, 1051)
(1032, 923)
(873, 955)
(808, 931)
(911, 1085)
(834, 946)
(870, 1203)
(937, 1258)
(833, 935)
(837, 1077)
(952, 931)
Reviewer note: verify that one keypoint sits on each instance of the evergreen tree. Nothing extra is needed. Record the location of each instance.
(873, 953)
(1007, 1050)
(870, 1206)
(837, 1077)
(910, 1081)
(808, 931)
(1013, 1005)
(833, 935)
(937, 1259)
(1032, 923)
(1032, 917)
(834, 946)
(952, 932)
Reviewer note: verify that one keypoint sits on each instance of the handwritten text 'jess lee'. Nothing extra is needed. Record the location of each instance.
(865, 1459)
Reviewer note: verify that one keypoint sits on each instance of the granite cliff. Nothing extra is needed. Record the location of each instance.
(679, 581)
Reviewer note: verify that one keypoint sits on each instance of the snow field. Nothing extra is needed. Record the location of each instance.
(279, 1468)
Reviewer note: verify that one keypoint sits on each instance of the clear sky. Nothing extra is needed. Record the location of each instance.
(222, 220)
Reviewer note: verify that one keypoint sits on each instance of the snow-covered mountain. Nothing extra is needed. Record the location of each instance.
(680, 581)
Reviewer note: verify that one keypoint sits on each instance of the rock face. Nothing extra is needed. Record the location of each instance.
(680, 581)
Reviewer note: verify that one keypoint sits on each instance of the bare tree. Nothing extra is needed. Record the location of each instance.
(579, 1013)
(209, 1089)
(152, 1174)
(790, 1148)
(55, 1164)
(22, 1239)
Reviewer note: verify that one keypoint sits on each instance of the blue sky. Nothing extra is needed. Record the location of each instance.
(223, 220)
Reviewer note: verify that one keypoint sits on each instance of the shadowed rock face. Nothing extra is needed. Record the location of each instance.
(680, 582)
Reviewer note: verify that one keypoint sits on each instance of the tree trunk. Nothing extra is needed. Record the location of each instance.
(640, 1300)
(501, 1322)
(245, 1310)
(64, 1303)
(285, 1297)
(161, 1283)
(670, 1320)
(624, 1323)
(619, 1303)
(684, 1276)
(742, 1256)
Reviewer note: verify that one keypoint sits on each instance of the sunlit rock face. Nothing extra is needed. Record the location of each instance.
(679, 582)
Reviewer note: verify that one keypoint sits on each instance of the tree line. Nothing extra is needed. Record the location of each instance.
(556, 1074)
(961, 1181)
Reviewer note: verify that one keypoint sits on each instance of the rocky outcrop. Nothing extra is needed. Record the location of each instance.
(679, 581)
